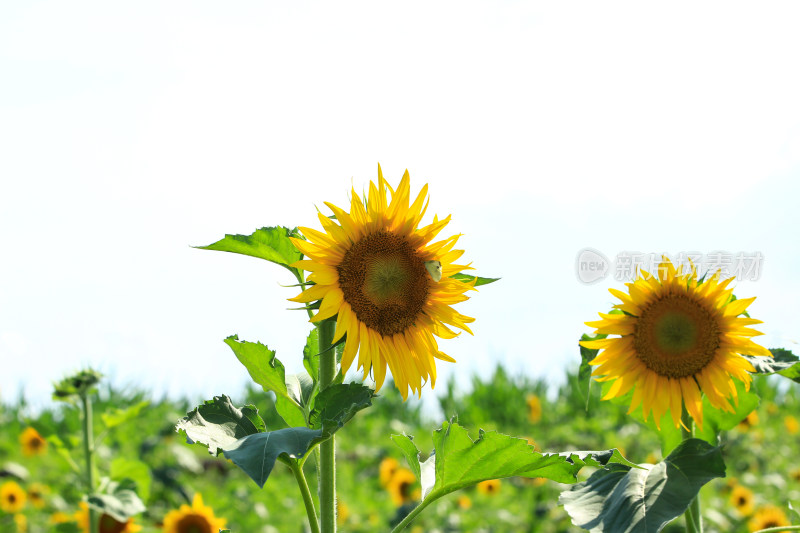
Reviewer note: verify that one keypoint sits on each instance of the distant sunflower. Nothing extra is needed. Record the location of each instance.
(400, 486)
(36, 494)
(32, 443)
(678, 336)
(490, 486)
(749, 421)
(534, 408)
(107, 524)
(198, 518)
(388, 284)
(768, 516)
(742, 500)
(386, 470)
(12, 497)
(792, 426)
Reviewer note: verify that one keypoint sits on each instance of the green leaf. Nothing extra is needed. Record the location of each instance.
(623, 499)
(585, 370)
(134, 470)
(458, 462)
(121, 503)
(256, 454)
(270, 243)
(114, 417)
(337, 404)
(67, 527)
(782, 362)
(466, 278)
(268, 371)
(716, 420)
(311, 354)
(218, 424)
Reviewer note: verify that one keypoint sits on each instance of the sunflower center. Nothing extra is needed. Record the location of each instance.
(193, 523)
(676, 336)
(384, 280)
(109, 525)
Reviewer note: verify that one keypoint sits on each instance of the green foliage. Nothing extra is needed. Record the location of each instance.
(269, 372)
(115, 417)
(119, 500)
(77, 384)
(337, 404)
(123, 468)
(466, 278)
(271, 243)
(782, 362)
(219, 424)
(623, 499)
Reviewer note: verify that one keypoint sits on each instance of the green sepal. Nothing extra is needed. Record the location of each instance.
(134, 470)
(256, 454)
(119, 500)
(457, 461)
(782, 362)
(219, 424)
(270, 243)
(466, 278)
(311, 354)
(585, 370)
(335, 405)
(115, 416)
(269, 372)
(626, 500)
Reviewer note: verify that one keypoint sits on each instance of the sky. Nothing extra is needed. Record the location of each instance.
(130, 132)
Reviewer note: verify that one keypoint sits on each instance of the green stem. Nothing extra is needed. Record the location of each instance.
(307, 500)
(327, 449)
(88, 451)
(412, 515)
(694, 521)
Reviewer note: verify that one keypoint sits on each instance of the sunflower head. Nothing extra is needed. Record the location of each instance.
(12, 497)
(198, 518)
(766, 517)
(387, 282)
(742, 500)
(490, 486)
(36, 494)
(534, 408)
(32, 442)
(106, 522)
(401, 485)
(678, 336)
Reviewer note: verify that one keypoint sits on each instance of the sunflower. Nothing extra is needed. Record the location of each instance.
(36, 493)
(768, 516)
(21, 521)
(749, 421)
(12, 497)
(679, 336)
(32, 443)
(198, 518)
(386, 470)
(742, 500)
(534, 408)
(107, 524)
(490, 486)
(792, 426)
(400, 486)
(387, 283)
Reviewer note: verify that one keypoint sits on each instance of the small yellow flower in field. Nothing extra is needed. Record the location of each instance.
(387, 282)
(36, 494)
(464, 502)
(791, 424)
(750, 421)
(12, 497)
(417, 529)
(386, 470)
(32, 443)
(342, 512)
(400, 486)
(108, 524)
(768, 516)
(534, 408)
(490, 486)
(742, 500)
(795, 474)
(21, 521)
(679, 336)
(198, 518)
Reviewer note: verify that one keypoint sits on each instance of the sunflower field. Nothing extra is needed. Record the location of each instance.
(672, 419)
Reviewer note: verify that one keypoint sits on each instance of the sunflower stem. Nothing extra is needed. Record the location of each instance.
(412, 515)
(88, 451)
(300, 477)
(327, 449)
(694, 521)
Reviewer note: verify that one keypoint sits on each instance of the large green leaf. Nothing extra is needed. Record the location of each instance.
(458, 462)
(114, 416)
(466, 278)
(218, 423)
(622, 499)
(782, 362)
(256, 454)
(136, 471)
(270, 243)
(268, 371)
(119, 501)
(337, 404)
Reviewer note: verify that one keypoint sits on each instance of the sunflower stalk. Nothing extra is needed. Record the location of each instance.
(297, 470)
(694, 521)
(88, 450)
(327, 460)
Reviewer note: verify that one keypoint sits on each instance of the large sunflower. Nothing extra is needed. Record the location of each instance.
(198, 518)
(107, 523)
(388, 284)
(678, 336)
(12, 497)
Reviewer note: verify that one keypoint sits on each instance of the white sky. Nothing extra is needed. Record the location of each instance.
(130, 131)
